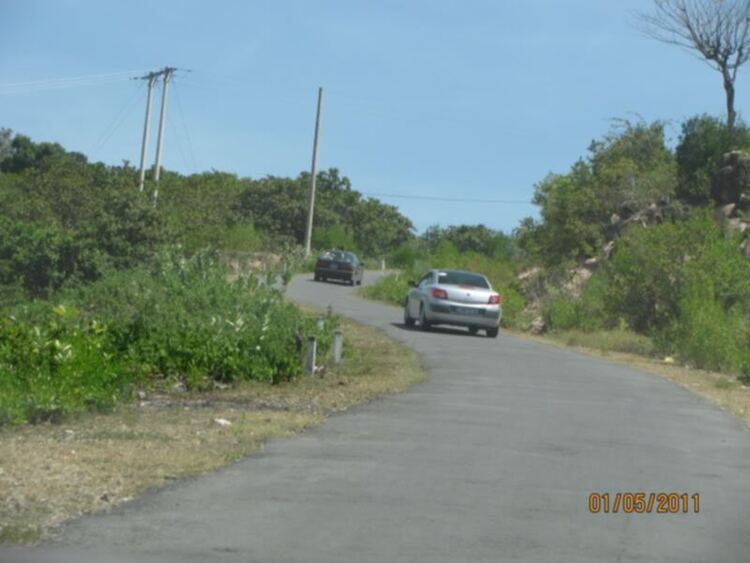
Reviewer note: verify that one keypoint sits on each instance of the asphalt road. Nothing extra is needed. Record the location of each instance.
(491, 459)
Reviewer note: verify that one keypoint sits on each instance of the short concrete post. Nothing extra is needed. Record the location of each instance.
(338, 345)
(321, 324)
(312, 345)
(382, 264)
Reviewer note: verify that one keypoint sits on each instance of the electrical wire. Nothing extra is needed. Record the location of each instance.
(117, 122)
(9, 88)
(452, 199)
(183, 121)
(176, 134)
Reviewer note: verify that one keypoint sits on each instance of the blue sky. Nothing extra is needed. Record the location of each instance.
(471, 99)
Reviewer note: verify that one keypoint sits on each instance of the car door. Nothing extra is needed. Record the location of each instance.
(417, 294)
(359, 269)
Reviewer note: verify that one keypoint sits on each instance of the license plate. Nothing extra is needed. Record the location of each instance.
(467, 311)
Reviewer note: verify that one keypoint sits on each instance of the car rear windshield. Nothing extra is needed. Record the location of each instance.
(338, 256)
(462, 278)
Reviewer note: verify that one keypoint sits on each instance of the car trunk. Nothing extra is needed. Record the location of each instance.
(467, 294)
(326, 264)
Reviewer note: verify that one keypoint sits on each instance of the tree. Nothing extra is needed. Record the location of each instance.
(718, 30)
(6, 146)
(703, 142)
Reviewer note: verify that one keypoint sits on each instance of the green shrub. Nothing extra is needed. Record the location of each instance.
(392, 288)
(709, 336)
(651, 268)
(61, 365)
(513, 305)
(177, 319)
(563, 313)
(183, 316)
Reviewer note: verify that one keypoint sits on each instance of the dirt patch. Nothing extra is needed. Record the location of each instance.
(50, 473)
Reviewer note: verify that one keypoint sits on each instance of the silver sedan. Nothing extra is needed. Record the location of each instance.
(454, 297)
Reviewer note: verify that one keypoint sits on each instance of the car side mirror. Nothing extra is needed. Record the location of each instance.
(412, 283)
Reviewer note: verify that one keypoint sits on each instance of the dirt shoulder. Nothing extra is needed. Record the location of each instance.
(50, 473)
(724, 390)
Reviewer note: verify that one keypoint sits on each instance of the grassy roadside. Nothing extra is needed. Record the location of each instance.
(51, 473)
(724, 390)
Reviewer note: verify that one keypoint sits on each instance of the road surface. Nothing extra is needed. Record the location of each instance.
(492, 459)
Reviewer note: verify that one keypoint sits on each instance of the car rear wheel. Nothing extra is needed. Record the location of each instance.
(424, 324)
(493, 332)
(473, 330)
(408, 320)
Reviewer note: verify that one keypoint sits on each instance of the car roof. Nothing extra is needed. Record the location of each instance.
(438, 270)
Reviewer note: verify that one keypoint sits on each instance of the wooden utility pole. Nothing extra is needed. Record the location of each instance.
(166, 75)
(151, 77)
(313, 173)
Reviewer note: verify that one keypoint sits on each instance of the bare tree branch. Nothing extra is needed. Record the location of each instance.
(717, 31)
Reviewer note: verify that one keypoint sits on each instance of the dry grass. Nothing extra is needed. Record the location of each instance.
(722, 389)
(51, 473)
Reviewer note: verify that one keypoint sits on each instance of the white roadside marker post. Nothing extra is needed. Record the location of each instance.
(312, 345)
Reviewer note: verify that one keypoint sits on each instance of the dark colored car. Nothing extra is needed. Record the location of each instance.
(339, 265)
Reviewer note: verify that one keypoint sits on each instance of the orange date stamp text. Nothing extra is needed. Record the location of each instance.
(644, 503)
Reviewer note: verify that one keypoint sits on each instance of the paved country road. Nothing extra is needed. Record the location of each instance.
(492, 459)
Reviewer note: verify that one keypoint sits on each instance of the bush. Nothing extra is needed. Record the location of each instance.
(563, 314)
(703, 142)
(182, 316)
(58, 366)
(391, 288)
(179, 319)
(709, 336)
(651, 268)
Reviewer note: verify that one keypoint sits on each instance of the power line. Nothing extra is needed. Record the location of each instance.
(452, 199)
(116, 123)
(62, 83)
(191, 152)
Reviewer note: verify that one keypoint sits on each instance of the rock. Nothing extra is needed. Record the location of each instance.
(591, 263)
(745, 247)
(608, 248)
(222, 422)
(538, 326)
(141, 394)
(736, 224)
(578, 280)
(528, 274)
(724, 211)
(668, 360)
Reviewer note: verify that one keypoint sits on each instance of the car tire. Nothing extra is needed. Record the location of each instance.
(473, 330)
(408, 320)
(316, 277)
(424, 324)
(493, 332)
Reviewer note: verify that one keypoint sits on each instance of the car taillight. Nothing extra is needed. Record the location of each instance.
(439, 294)
(495, 299)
